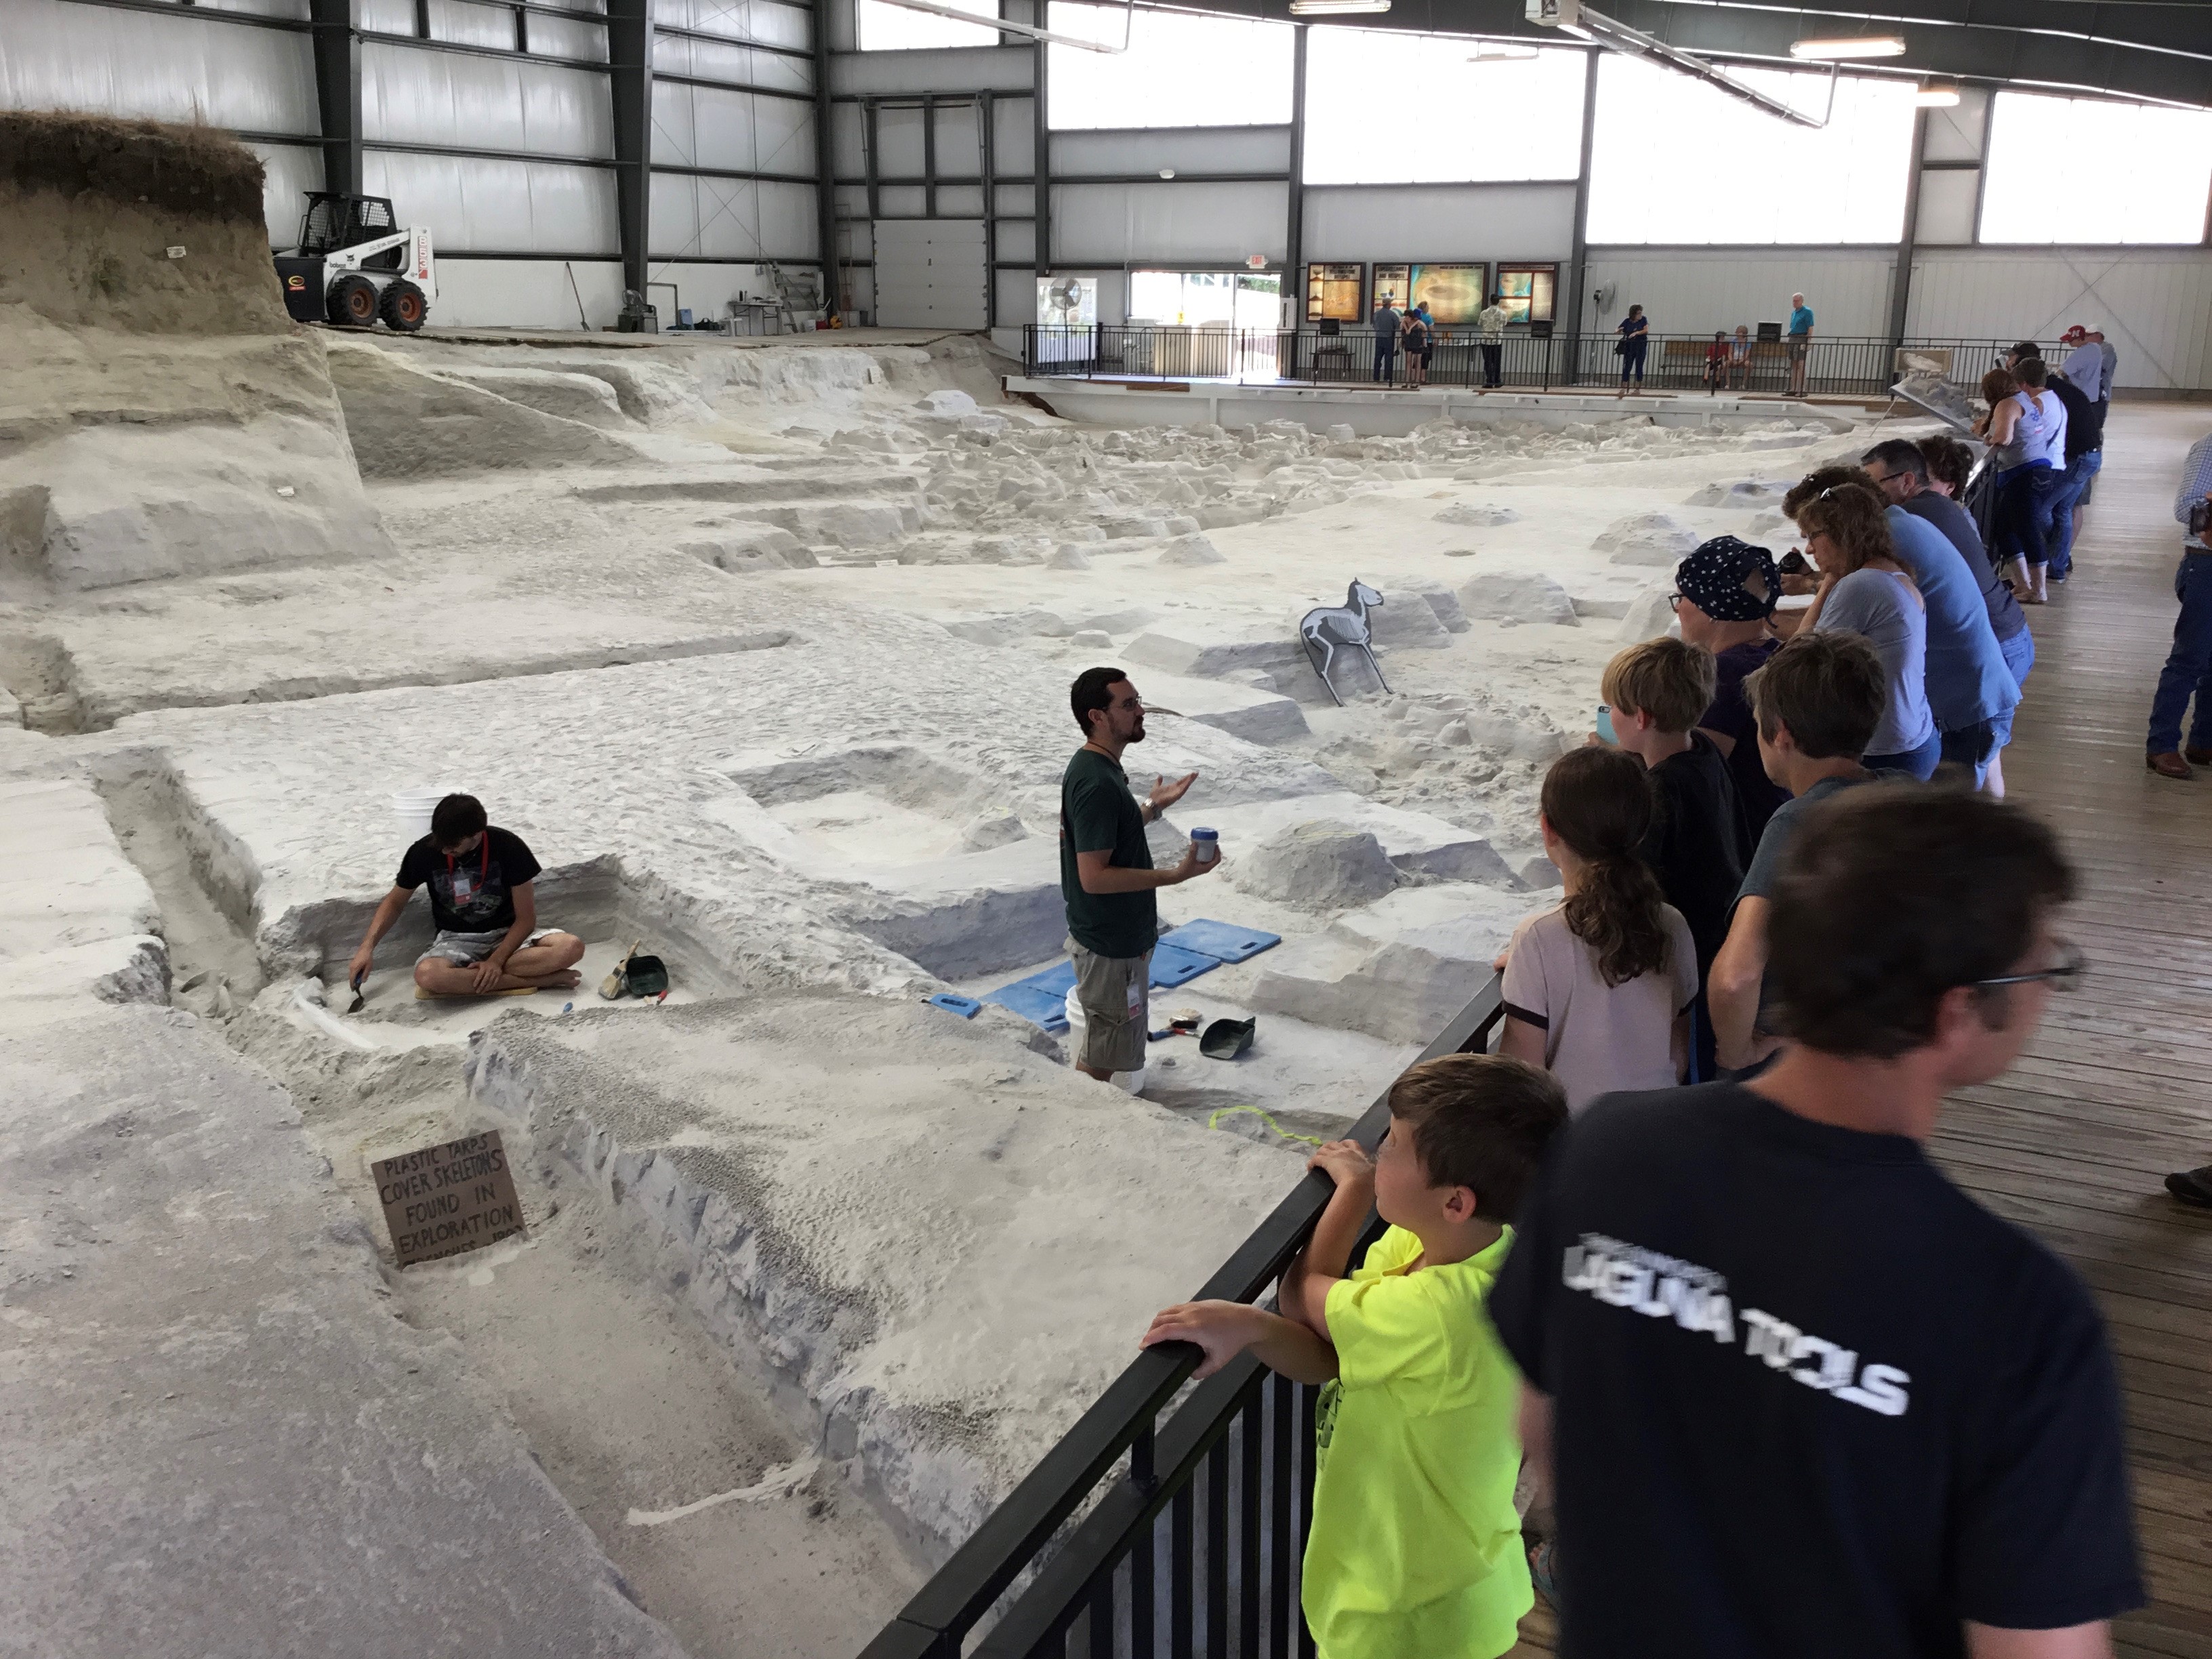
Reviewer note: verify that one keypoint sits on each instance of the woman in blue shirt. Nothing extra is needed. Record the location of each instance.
(1635, 330)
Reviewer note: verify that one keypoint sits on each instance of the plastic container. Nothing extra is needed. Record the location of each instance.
(1206, 844)
(413, 808)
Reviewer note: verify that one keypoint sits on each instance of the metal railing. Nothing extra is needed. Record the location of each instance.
(1524, 361)
(1239, 1447)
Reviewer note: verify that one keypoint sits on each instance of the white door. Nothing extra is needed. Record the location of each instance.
(930, 273)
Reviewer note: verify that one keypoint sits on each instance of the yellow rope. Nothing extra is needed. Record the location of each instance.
(1213, 1122)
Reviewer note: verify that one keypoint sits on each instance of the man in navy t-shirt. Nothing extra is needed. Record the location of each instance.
(484, 905)
(1796, 1392)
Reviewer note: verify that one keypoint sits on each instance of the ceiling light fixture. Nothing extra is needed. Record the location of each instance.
(1336, 8)
(1937, 97)
(1871, 46)
(1487, 54)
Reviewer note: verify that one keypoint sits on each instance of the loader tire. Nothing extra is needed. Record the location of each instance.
(402, 306)
(353, 302)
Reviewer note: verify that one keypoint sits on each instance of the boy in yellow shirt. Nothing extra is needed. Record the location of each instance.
(1415, 1551)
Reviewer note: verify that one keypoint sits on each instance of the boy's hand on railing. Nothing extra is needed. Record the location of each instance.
(1346, 1161)
(1222, 1329)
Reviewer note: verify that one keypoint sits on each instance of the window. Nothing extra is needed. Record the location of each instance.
(881, 26)
(1181, 70)
(2084, 170)
(1403, 108)
(1677, 161)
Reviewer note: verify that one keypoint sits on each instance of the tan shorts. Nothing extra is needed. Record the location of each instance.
(1114, 999)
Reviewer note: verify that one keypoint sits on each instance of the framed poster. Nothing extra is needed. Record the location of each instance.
(1333, 292)
(1531, 292)
(1392, 282)
(1453, 292)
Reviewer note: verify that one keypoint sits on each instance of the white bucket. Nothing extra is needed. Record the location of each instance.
(413, 808)
(1131, 1082)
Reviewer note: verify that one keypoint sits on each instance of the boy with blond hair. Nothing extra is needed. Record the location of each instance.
(1415, 1549)
(1699, 843)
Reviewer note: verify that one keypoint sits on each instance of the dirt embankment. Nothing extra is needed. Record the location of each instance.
(96, 208)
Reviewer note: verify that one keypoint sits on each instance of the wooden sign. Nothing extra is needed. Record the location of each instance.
(444, 1200)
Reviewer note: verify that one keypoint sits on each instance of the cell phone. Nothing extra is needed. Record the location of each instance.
(1605, 724)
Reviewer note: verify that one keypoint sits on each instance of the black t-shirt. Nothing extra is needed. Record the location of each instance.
(1099, 813)
(1731, 716)
(2006, 618)
(2085, 419)
(1698, 844)
(1811, 1398)
(471, 892)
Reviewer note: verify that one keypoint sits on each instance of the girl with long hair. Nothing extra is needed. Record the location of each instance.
(1865, 591)
(1598, 989)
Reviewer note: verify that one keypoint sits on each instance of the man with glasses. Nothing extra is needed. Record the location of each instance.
(1794, 1391)
(1106, 874)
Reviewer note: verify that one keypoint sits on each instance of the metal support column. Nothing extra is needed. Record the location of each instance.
(929, 156)
(1294, 237)
(1581, 255)
(1900, 285)
(337, 26)
(868, 144)
(825, 168)
(986, 137)
(1041, 167)
(629, 76)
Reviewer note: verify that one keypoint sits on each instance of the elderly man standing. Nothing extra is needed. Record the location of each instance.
(1386, 322)
(1801, 343)
(1106, 874)
(1490, 333)
(2189, 665)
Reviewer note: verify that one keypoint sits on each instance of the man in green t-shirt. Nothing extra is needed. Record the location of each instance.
(1106, 872)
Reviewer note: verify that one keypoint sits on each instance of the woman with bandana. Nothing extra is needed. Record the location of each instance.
(1724, 593)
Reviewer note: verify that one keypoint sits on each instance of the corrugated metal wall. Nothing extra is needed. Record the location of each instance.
(1696, 290)
(2155, 305)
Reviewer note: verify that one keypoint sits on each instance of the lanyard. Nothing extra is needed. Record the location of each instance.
(484, 869)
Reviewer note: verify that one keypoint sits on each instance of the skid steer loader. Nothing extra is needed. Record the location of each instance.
(354, 264)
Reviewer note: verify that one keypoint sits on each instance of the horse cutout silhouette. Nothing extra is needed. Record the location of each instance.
(1333, 627)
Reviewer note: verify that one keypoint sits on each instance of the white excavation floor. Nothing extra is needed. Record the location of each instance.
(764, 649)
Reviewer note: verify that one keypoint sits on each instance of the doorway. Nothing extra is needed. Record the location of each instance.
(1210, 324)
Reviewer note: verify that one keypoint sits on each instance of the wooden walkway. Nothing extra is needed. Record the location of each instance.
(2116, 1090)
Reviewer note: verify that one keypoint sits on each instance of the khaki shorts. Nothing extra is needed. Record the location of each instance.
(1800, 344)
(1113, 994)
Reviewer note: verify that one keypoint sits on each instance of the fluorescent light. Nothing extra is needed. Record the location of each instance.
(1490, 54)
(1336, 8)
(1871, 46)
(1935, 97)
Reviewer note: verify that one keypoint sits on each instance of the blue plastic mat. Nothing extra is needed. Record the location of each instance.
(1173, 966)
(1042, 999)
(966, 1007)
(1220, 941)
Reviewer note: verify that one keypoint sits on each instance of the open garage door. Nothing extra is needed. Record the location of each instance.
(930, 273)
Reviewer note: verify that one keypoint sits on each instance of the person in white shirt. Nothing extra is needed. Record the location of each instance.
(1490, 333)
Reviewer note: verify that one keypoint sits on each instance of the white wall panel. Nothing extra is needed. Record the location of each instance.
(499, 206)
(712, 60)
(898, 144)
(287, 172)
(1955, 134)
(1440, 221)
(695, 126)
(706, 290)
(1014, 122)
(731, 219)
(971, 69)
(1696, 291)
(58, 56)
(565, 37)
(298, 10)
(466, 24)
(526, 293)
(413, 96)
(388, 16)
(1187, 149)
(1160, 223)
(739, 20)
(1947, 206)
(2153, 305)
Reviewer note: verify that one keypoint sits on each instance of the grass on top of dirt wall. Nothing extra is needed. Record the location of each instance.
(191, 170)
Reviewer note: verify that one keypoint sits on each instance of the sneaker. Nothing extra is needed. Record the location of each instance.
(2193, 1186)
(2169, 765)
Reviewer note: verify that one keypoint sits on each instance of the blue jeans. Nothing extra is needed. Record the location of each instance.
(2189, 665)
(2073, 486)
(1920, 763)
(2020, 657)
(2020, 522)
(1632, 361)
(1386, 354)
